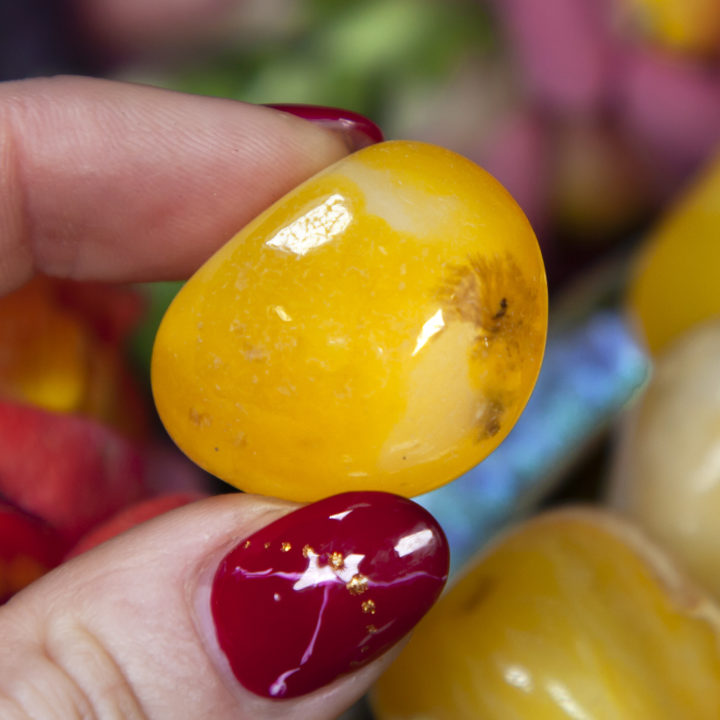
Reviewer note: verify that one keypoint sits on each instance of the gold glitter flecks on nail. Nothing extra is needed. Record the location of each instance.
(247, 544)
(267, 545)
(368, 607)
(371, 629)
(307, 551)
(285, 547)
(358, 584)
(337, 561)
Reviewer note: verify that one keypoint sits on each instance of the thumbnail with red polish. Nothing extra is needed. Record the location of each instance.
(325, 590)
(359, 130)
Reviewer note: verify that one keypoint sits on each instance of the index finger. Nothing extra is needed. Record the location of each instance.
(110, 181)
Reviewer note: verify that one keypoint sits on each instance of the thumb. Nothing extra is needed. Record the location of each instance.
(233, 607)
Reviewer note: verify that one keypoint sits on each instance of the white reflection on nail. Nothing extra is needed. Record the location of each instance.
(316, 574)
(411, 543)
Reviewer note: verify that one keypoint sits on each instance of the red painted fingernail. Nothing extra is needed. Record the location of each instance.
(359, 130)
(325, 590)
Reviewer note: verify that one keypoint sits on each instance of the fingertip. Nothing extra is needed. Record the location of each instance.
(119, 182)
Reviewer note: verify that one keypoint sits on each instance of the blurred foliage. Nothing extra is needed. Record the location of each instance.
(347, 54)
(158, 296)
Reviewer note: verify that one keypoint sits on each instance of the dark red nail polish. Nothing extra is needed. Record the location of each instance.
(325, 590)
(359, 130)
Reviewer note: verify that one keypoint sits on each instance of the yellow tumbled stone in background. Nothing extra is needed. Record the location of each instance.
(379, 327)
(687, 26)
(573, 615)
(666, 474)
(676, 282)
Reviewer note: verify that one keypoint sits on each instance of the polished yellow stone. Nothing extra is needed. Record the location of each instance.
(676, 281)
(573, 616)
(666, 473)
(379, 327)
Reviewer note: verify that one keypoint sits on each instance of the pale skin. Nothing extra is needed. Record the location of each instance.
(114, 182)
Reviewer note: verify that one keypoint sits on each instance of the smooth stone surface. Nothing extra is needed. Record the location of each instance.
(573, 615)
(380, 327)
(666, 474)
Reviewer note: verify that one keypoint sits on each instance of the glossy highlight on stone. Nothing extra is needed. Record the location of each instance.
(575, 614)
(325, 590)
(380, 327)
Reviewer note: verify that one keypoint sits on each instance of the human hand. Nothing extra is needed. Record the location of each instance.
(114, 182)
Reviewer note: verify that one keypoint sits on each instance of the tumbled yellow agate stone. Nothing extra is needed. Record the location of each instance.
(575, 616)
(379, 327)
(676, 282)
